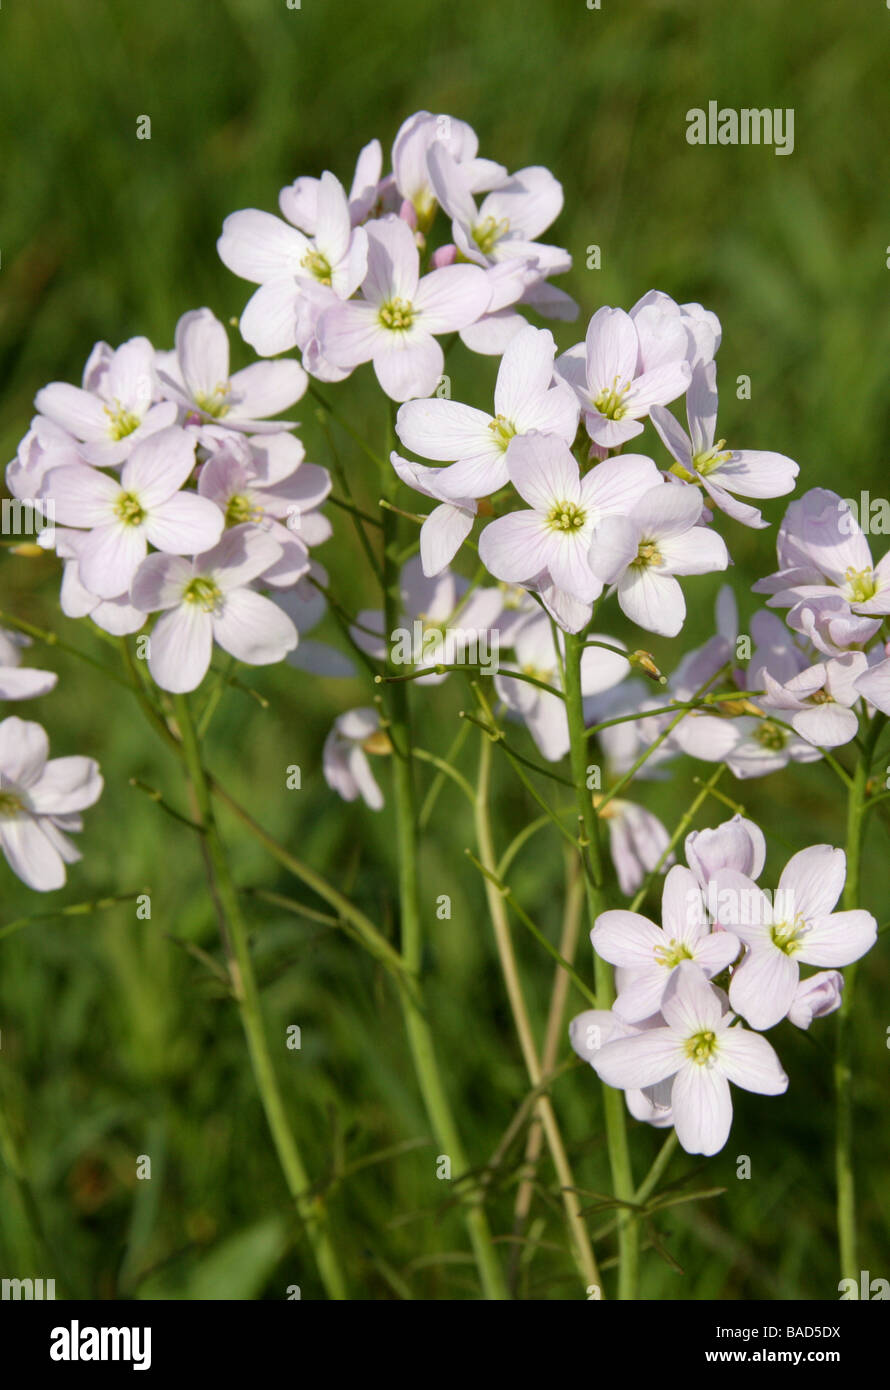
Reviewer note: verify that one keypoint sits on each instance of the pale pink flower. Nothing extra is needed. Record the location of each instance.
(209, 600)
(301, 200)
(701, 1050)
(553, 538)
(819, 702)
(671, 332)
(874, 684)
(614, 392)
(637, 840)
(198, 378)
(116, 408)
(19, 682)
(543, 712)
(418, 137)
(815, 997)
(823, 552)
(591, 1030)
(721, 472)
(345, 760)
(394, 323)
(447, 526)
(643, 551)
(287, 265)
(524, 400)
(736, 844)
(145, 505)
(650, 954)
(795, 927)
(40, 801)
(246, 486)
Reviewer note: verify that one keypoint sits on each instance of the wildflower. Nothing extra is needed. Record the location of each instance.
(796, 927)
(649, 954)
(720, 472)
(614, 392)
(701, 1050)
(209, 600)
(117, 406)
(642, 551)
(40, 802)
(447, 526)
(123, 515)
(544, 712)
(394, 323)
(344, 759)
(19, 682)
(286, 264)
(198, 378)
(524, 400)
(554, 536)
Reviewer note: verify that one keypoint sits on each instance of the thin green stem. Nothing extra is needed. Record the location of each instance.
(613, 1100)
(843, 1064)
(309, 1205)
(417, 1026)
(509, 968)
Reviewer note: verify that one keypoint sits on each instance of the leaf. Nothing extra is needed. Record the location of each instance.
(237, 1268)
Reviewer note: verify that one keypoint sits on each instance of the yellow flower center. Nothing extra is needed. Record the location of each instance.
(701, 1047)
(241, 508)
(503, 430)
(647, 554)
(204, 592)
(318, 266)
(670, 955)
(771, 736)
(709, 459)
(488, 233)
(129, 509)
(610, 401)
(215, 402)
(123, 422)
(566, 516)
(396, 314)
(787, 935)
(11, 804)
(861, 585)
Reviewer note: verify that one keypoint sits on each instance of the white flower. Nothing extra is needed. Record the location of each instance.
(525, 399)
(198, 378)
(123, 516)
(40, 799)
(19, 682)
(393, 325)
(649, 955)
(287, 265)
(702, 1051)
(553, 538)
(721, 472)
(345, 763)
(116, 407)
(208, 600)
(796, 926)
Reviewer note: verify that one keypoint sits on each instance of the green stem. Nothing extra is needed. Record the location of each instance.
(509, 968)
(420, 1037)
(310, 1206)
(613, 1101)
(843, 1064)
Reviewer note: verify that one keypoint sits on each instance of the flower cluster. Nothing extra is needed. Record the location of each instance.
(183, 510)
(40, 798)
(340, 275)
(171, 491)
(726, 954)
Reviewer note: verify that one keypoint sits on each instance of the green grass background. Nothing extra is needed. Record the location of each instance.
(115, 1040)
